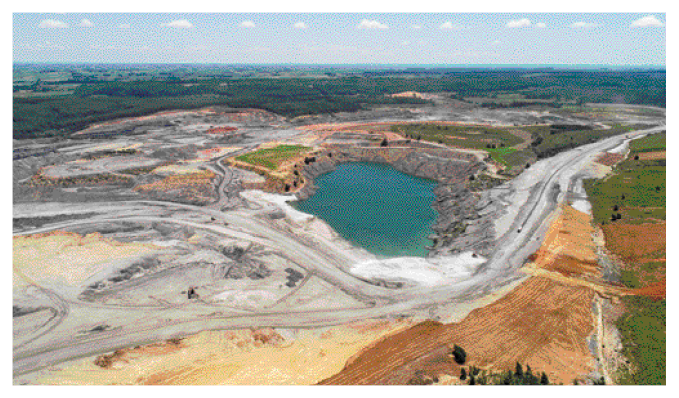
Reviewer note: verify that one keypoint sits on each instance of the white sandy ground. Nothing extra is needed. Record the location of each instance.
(620, 149)
(276, 201)
(582, 205)
(428, 272)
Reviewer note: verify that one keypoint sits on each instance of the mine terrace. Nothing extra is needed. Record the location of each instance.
(148, 236)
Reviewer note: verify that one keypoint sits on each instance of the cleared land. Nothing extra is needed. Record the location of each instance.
(239, 357)
(568, 247)
(550, 337)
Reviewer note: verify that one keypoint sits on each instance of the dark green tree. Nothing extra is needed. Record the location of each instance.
(463, 374)
(544, 380)
(460, 354)
(519, 370)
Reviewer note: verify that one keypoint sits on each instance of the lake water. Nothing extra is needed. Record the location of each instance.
(387, 212)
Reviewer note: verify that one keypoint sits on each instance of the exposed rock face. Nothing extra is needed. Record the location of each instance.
(458, 226)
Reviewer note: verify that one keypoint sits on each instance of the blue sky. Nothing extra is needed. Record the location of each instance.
(347, 38)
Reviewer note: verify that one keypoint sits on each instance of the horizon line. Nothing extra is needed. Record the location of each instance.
(436, 65)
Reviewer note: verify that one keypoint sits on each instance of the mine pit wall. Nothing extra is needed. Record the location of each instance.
(456, 205)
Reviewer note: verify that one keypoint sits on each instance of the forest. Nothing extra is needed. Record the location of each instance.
(99, 100)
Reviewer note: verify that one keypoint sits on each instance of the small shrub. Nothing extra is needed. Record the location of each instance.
(460, 354)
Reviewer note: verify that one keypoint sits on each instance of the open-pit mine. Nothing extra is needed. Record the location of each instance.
(188, 247)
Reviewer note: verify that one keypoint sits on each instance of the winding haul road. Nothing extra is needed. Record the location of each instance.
(523, 207)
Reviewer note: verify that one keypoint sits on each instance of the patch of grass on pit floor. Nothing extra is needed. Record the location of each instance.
(272, 158)
(498, 154)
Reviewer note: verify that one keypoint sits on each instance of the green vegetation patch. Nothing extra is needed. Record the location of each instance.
(476, 137)
(650, 143)
(520, 376)
(637, 190)
(498, 154)
(519, 159)
(637, 194)
(271, 158)
(643, 330)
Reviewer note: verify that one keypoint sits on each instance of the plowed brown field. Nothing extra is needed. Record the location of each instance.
(542, 323)
(609, 159)
(636, 241)
(653, 155)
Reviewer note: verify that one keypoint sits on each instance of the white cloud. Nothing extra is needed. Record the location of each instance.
(366, 24)
(518, 23)
(581, 24)
(451, 26)
(124, 26)
(178, 24)
(300, 25)
(86, 23)
(647, 21)
(416, 26)
(247, 24)
(496, 42)
(52, 24)
(405, 42)
(540, 25)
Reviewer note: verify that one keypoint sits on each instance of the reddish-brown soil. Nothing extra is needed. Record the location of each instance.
(156, 349)
(542, 323)
(193, 187)
(642, 249)
(568, 247)
(221, 130)
(636, 241)
(653, 155)
(610, 159)
(655, 290)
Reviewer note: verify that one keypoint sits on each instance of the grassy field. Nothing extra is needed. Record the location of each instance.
(643, 330)
(271, 158)
(637, 187)
(643, 191)
(640, 182)
(475, 137)
(499, 154)
(650, 143)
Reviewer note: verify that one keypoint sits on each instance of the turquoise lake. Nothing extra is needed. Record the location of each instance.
(374, 206)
